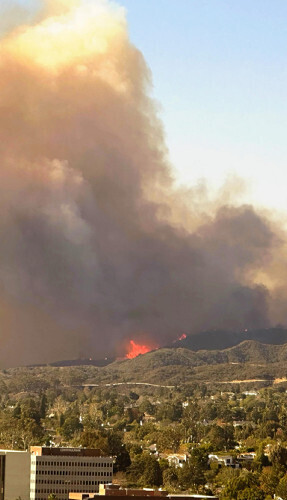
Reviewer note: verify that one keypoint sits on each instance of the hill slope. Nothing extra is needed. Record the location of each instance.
(220, 339)
(248, 360)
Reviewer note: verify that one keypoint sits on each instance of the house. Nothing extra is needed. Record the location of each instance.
(153, 449)
(245, 458)
(240, 423)
(177, 459)
(222, 460)
(148, 418)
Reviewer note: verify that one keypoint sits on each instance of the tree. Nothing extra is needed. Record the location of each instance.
(70, 426)
(152, 475)
(29, 410)
(145, 471)
(269, 479)
(169, 411)
(146, 407)
(267, 429)
(134, 471)
(281, 490)
(169, 438)
(170, 478)
(93, 439)
(191, 475)
(278, 456)
(244, 484)
(52, 496)
(43, 406)
(251, 493)
(190, 421)
(199, 458)
(133, 396)
(261, 460)
(123, 460)
(17, 411)
(29, 432)
(221, 438)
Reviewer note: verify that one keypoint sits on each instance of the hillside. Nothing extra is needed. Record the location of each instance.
(211, 341)
(248, 360)
(220, 339)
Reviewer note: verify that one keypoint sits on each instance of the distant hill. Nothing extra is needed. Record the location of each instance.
(78, 362)
(83, 362)
(213, 340)
(248, 351)
(248, 360)
(220, 339)
(255, 356)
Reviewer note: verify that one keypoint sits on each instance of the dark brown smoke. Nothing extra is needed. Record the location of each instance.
(97, 245)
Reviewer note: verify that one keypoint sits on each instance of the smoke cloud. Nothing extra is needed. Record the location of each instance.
(97, 245)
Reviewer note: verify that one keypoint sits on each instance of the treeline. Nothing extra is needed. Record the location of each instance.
(141, 427)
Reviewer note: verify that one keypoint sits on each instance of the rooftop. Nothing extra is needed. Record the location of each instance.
(68, 452)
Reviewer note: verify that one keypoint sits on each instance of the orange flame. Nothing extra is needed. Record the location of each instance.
(182, 337)
(136, 349)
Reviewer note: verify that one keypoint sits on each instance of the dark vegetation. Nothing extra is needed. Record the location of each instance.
(194, 409)
(221, 339)
(248, 360)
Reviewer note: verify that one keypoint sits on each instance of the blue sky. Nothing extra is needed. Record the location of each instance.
(220, 73)
(219, 70)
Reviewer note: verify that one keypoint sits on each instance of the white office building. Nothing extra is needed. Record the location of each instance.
(62, 470)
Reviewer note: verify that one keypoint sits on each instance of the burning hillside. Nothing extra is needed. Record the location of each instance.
(137, 349)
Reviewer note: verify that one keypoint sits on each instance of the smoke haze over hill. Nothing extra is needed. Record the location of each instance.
(97, 245)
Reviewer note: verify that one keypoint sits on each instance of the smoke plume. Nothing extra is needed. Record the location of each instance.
(97, 245)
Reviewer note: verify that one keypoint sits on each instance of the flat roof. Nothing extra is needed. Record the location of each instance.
(196, 495)
(14, 451)
(67, 452)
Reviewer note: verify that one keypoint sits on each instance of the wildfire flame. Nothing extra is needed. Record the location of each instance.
(182, 337)
(136, 349)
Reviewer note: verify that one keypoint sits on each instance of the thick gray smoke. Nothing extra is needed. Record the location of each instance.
(97, 246)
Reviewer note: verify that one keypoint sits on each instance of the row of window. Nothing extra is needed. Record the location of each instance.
(72, 483)
(74, 464)
(57, 490)
(63, 481)
(71, 473)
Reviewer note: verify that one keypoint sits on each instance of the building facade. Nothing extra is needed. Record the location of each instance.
(14, 475)
(62, 470)
(114, 491)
